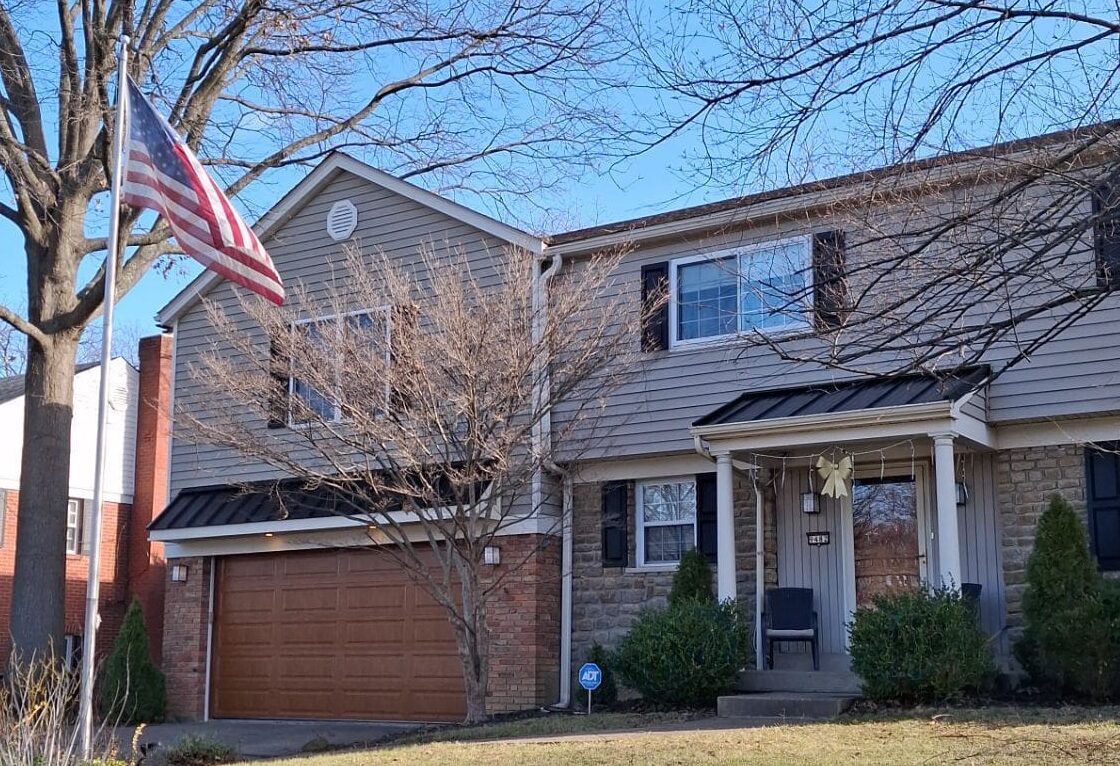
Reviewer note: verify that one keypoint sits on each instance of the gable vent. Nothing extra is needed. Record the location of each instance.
(342, 219)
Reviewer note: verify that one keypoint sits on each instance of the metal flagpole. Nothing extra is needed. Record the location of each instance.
(93, 586)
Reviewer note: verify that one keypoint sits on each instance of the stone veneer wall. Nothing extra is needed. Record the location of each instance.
(1026, 479)
(605, 601)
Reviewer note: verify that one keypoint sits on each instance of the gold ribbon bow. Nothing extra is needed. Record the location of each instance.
(835, 476)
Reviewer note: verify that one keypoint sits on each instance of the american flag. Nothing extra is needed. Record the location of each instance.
(162, 174)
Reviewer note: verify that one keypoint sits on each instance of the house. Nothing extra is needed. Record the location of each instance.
(135, 491)
(710, 444)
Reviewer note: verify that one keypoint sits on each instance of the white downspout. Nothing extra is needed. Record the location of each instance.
(544, 434)
(759, 571)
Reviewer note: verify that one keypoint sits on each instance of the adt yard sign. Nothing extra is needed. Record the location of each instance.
(590, 678)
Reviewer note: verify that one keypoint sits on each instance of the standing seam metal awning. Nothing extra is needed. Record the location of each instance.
(847, 396)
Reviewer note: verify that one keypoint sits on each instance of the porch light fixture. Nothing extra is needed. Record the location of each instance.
(810, 502)
(962, 493)
(179, 572)
(492, 555)
(268, 534)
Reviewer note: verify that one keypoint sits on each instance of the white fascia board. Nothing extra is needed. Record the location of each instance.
(291, 539)
(1058, 432)
(311, 185)
(642, 468)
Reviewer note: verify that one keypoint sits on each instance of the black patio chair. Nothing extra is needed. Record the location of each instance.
(789, 616)
(970, 593)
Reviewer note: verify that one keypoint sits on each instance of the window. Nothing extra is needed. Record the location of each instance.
(306, 402)
(755, 288)
(666, 520)
(74, 530)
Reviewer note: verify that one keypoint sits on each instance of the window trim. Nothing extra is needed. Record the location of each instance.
(738, 251)
(387, 310)
(79, 530)
(640, 562)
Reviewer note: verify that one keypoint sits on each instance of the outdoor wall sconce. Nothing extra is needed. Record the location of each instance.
(179, 572)
(962, 493)
(810, 502)
(492, 555)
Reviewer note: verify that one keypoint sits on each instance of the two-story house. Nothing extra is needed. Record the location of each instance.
(135, 492)
(785, 472)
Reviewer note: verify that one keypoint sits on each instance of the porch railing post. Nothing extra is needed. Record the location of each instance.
(725, 529)
(948, 533)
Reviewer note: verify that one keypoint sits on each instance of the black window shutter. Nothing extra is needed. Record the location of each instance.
(706, 515)
(655, 306)
(1103, 493)
(279, 370)
(615, 542)
(1106, 227)
(830, 285)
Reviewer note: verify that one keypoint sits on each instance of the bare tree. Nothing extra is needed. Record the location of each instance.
(951, 255)
(428, 420)
(491, 97)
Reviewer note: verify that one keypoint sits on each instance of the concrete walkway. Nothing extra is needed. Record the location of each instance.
(268, 739)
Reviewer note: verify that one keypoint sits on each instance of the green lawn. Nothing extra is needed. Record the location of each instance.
(1033, 737)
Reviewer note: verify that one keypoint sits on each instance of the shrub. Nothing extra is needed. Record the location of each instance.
(687, 654)
(607, 693)
(693, 579)
(132, 688)
(38, 722)
(198, 750)
(1071, 639)
(921, 646)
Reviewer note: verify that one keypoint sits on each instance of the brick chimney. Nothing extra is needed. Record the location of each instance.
(146, 563)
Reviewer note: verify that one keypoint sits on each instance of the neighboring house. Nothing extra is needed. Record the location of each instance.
(135, 490)
(706, 445)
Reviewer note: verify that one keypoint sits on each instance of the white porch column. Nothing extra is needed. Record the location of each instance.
(948, 534)
(725, 529)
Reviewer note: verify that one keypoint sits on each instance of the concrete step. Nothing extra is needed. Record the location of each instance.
(783, 705)
(801, 681)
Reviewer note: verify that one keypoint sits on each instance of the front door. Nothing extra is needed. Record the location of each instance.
(886, 537)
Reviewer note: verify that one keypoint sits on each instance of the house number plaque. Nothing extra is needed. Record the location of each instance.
(818, 538)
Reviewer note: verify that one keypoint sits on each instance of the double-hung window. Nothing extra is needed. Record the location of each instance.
(75, 519)
(334, 338)
(760, 287)
(665, 520)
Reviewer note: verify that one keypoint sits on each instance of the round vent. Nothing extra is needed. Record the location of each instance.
(342, 219)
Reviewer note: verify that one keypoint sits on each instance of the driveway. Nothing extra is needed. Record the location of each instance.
(267, 739)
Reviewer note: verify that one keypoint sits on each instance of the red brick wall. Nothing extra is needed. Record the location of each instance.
(114, 576)
(524, 618)
(146, 563)
(186, 613)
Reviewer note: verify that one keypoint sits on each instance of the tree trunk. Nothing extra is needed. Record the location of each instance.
(39, 587)
(473, 642)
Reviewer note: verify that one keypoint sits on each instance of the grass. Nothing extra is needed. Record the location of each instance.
(1031, 737)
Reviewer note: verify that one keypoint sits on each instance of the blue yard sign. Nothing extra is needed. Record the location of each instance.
(590, 678)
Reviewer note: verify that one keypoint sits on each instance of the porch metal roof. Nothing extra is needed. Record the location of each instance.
(847, 396)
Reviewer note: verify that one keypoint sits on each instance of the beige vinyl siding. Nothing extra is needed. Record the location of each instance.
(304, 253)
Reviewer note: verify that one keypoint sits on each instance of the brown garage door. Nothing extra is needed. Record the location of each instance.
(330, 634)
